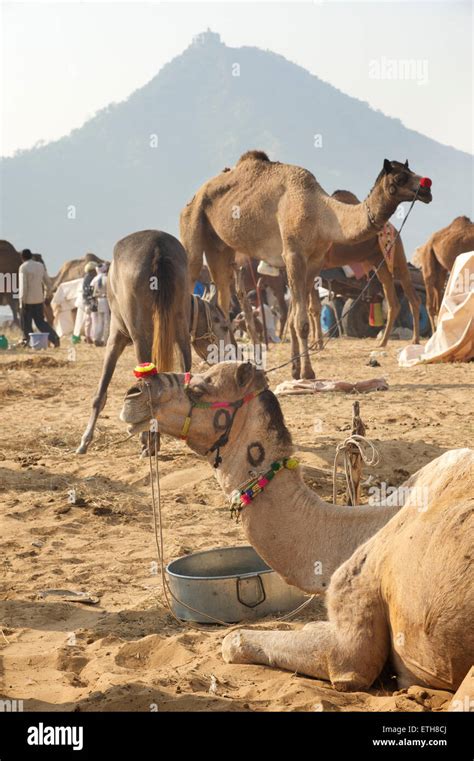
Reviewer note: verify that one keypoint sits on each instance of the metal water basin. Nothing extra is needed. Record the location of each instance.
(232, 584)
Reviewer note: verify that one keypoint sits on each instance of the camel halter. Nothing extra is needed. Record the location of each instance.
(235, 406)
(210, 335)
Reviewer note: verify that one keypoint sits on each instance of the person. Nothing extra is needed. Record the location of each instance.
(34, 285)
(269, 316)
(89, 301)
(100, 318)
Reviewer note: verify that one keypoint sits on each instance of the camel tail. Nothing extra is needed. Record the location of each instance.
(164, 291)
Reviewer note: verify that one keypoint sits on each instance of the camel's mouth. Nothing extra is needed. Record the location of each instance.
(138, 427)
(424, 194)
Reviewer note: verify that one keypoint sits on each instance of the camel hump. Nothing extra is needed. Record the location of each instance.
(345, 196)
(253, 156)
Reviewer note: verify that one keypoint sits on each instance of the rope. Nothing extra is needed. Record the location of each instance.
(158, 535)
(346, 447)
(331, 332)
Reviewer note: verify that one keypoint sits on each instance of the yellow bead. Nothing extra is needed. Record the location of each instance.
(291, 463)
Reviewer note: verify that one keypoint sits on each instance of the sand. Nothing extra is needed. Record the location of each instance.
(83, 523)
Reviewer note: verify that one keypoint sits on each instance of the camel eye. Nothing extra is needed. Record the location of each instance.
(401, 179)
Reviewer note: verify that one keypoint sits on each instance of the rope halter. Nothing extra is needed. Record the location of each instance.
(235, 406)
(148, 369)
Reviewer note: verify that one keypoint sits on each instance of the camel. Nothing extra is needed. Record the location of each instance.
(147, 289)
(10, 261)
(73, 269)
(371, 254)
(279, 213)
(397, 576)
(436, 258)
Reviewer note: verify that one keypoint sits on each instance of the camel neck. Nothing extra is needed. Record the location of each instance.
(352, 223)
(299, 535)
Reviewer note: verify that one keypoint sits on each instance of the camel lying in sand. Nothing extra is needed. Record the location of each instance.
(436, 258)
(150, 305)
(398, 577)
(279, 213)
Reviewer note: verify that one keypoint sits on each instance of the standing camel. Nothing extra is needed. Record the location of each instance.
(150, 305)
(436, 258)
(392, 266)
(398, 576)
(279, 213)
(10, 261)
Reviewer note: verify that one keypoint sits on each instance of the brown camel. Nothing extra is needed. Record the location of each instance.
(436, 258)
(73, 269)
(279, 213)
(10, 261)
(398, 576)
(370, 253)
(150, 305)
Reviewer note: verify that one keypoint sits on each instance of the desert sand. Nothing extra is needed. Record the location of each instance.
(126, 652)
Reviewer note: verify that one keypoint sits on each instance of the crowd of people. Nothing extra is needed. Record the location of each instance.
(93, 310)
(35, 294)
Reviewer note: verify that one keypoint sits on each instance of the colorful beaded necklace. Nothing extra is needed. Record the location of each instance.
(244, 495)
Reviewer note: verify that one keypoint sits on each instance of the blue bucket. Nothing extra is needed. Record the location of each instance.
(39, 340)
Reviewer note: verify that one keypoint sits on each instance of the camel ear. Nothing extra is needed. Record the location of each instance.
(387, 166)
(406, 164)
(244, 374)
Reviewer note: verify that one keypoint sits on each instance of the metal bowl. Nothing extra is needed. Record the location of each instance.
(232, 584)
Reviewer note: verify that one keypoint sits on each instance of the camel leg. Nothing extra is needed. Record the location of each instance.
(12, 302)
(294, 347)
(321, 651)
(282, 306)
(116, 343)
(390, 294)
(296, 268)
(414, 302)
(431, 299)
(221, 267)
(315, 311)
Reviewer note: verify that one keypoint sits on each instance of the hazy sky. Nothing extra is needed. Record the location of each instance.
(63, 61)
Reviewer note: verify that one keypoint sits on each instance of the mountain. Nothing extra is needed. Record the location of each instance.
(107, 179)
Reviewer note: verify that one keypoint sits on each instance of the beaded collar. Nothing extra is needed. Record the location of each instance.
(244, 495)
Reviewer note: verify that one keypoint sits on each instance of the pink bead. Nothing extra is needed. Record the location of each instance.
(245, 499)
(262, 482)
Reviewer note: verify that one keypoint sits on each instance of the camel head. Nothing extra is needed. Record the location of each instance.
(165, 398)
(210, 328)
(400, 184)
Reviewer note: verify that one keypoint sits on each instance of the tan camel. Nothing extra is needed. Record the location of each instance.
(436, 258)
(398, 578)
(370, 253)
(73, 269)
(279, 213)
(150, 305)
(10, 261)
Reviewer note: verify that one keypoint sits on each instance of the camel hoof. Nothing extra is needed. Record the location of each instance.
(233, 648)
(295, 372)
(82, 449)
(309, 375)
